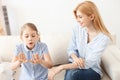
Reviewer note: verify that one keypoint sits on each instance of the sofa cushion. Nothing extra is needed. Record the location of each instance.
(7, 44)
(5, 71)
(57, 45)
(111, 62)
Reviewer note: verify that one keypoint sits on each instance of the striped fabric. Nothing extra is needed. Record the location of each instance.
(30, 71)
(91, 51)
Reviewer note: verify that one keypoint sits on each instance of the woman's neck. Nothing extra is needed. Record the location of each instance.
(90, 29)
(92, 32)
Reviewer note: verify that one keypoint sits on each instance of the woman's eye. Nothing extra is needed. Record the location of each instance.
(80, 16)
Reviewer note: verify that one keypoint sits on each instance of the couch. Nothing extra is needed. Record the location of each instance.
(57, 45)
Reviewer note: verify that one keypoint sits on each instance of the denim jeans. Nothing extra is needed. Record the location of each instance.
(81, 74)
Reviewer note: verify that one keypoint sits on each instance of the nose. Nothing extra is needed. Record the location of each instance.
(30, 38)
(78, 20)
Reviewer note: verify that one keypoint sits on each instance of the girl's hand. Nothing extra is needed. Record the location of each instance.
(36, 59)
(21, 58)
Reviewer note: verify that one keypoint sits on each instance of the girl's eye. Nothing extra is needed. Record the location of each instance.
(33, 35)
(26, 36)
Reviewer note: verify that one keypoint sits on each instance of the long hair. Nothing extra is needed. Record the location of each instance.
(89, 8)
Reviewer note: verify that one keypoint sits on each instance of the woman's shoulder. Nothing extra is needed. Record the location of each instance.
(104, 37)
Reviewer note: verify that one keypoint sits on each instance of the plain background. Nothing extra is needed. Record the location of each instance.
(56, 16)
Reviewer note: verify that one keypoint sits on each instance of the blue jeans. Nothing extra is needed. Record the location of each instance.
(81, 74)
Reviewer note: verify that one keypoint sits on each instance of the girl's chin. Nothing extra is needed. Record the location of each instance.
(30, 47)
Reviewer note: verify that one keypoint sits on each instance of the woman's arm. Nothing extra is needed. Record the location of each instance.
(78, 61)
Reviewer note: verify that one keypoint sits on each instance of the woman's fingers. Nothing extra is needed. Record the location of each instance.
(79, 62)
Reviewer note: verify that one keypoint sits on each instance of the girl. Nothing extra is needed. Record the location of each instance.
(32, 55)
(89, 39)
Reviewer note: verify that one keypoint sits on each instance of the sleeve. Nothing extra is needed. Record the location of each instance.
(96, 52)
(17, 49)
(45, 49)
(72, 48)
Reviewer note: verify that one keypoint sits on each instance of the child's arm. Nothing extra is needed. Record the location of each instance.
(18, 60)
(47, 61)
(15, 63)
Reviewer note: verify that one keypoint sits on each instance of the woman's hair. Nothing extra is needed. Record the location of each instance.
(89, 8)
(30, 25)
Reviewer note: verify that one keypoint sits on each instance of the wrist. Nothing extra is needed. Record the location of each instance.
(73, 56)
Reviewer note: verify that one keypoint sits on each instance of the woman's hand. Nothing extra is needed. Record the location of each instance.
(21, 58)
(36, 59)
(78, 61)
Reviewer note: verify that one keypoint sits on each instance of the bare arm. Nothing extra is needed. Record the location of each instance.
(15, 63)
(58, 69)
(47, 61)
(78, 61)
(18, 60)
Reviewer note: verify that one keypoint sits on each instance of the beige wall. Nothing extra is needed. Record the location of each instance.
(56, 16)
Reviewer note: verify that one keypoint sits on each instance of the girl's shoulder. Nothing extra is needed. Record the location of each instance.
(42, 44)
(19, 44)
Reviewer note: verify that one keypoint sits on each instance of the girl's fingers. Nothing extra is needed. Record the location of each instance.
(36, 59)
(21, 57)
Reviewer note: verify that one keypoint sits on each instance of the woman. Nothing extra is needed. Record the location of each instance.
(89, 39)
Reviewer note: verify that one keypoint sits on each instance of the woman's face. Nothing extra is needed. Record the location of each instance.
(83, 19)
(29, 37)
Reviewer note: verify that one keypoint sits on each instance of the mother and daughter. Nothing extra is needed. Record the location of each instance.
(89, 39)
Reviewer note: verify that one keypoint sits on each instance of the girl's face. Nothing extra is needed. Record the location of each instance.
(29, 37)
(83, 19)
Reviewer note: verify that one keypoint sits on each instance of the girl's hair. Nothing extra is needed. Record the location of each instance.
(30, 25)
(89, 8)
